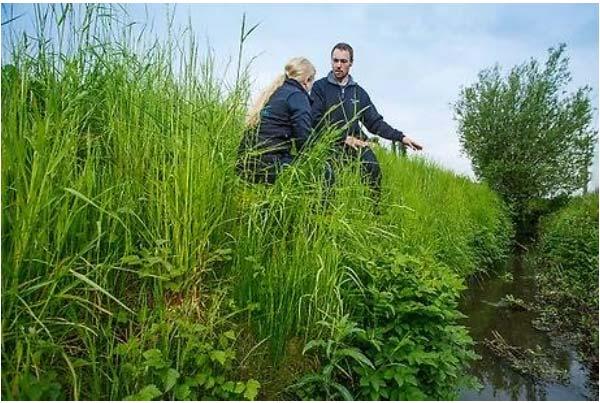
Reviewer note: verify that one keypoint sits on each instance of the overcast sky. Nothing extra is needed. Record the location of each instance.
(412, 59)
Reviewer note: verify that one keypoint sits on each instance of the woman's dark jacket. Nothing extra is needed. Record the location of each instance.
(285, 124)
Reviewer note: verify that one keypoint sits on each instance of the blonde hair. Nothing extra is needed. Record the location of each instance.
(298, 68)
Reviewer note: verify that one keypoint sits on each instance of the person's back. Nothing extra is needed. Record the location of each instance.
(285, 120)
(279, 122)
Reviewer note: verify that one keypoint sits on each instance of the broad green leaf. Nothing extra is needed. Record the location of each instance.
(251, 391)
(313, 344)
(239, 387)
(357, 355)
(210, 382)
(218, 355)
(154, 359)
(170, 378)
(399, 378)
(201, 359)
(343, 391)
(150, 392)
(201, 378)
(228, 386)
(182, 392)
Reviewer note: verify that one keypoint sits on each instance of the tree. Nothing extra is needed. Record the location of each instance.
(524, 134)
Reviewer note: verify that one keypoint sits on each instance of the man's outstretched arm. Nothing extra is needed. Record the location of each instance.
(375, 124)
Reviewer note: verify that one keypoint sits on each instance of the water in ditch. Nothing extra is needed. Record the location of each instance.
(486, 314)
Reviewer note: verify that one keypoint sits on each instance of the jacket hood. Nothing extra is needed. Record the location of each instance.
(332, 80)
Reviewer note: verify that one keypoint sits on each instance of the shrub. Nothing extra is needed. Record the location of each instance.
(567, 259)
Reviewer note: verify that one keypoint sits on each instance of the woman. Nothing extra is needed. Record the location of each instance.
(279, 122)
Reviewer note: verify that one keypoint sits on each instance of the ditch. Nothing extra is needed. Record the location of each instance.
(518, 362)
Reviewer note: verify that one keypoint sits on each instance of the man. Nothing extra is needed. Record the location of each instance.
(339, 101)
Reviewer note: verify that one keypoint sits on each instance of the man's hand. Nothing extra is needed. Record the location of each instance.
(356, 143)
(410, 143)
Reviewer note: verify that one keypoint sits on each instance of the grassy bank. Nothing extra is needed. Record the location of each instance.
(567, 259)
(136, 264)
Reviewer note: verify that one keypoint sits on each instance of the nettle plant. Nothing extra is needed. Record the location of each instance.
(338, 358)
(405, 344)
(412, 336)
(203, 369)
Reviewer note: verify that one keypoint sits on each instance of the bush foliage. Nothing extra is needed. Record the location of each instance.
(524, 134)
(567, 258)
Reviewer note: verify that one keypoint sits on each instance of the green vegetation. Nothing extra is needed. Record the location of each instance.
(115, 182)
(567, 260)
(525, 135)
(137, 265)
(377, 287)
(407, 344)
(533, 142)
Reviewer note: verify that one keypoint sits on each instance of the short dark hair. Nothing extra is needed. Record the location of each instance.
(344, 46)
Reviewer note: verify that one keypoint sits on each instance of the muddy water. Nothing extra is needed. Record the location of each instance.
(499, 381)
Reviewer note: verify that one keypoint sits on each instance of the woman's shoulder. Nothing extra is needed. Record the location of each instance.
(294, 88)
(293, 85)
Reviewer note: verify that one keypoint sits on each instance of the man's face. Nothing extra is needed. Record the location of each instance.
(340, 63)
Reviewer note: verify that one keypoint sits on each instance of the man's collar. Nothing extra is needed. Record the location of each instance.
(332, 80)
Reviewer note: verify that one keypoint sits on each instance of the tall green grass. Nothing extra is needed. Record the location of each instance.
(461, 223)
(300, 266)
(116, 188)
(291, 261)
(130, 247)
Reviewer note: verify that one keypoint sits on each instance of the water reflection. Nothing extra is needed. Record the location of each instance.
(499, 380)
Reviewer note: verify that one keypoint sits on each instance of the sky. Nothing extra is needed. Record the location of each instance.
(412, 59)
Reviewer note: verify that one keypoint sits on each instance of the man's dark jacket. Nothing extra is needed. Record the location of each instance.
(344, 103)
